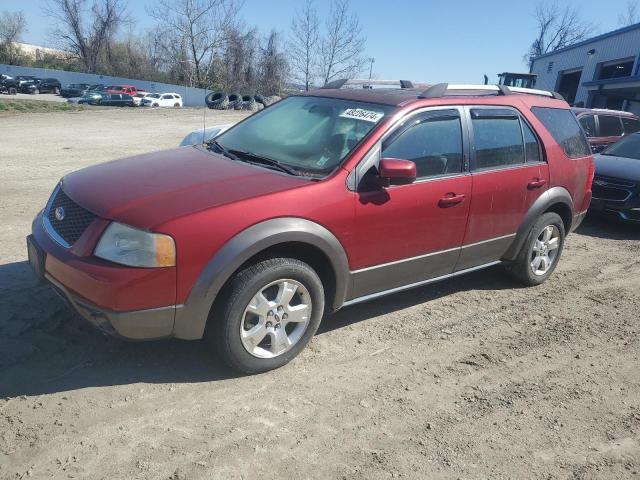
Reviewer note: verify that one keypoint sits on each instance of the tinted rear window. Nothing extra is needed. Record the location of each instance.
(631, 125)
(565, 129)
(610, 126)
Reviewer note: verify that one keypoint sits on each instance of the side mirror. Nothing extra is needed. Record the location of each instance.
(393, 171)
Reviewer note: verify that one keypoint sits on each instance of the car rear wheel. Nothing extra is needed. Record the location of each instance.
(176, 105)
(272, 310)
(541, 251)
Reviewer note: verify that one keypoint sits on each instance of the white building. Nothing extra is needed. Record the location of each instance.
(602, 72)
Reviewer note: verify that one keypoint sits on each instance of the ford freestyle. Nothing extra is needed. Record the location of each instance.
(322, 200)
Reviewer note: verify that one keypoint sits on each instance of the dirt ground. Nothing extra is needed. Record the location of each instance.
(471, 378)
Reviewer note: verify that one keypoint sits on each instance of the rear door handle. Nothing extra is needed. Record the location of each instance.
(536, 184)
(450, 200)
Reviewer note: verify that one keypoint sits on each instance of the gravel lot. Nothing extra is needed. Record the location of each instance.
(471, 378)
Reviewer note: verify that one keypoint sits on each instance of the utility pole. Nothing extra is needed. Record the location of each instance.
(371, 59)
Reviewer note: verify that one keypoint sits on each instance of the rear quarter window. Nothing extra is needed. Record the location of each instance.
(565, 129)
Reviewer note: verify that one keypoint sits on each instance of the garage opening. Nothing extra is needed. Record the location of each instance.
(568, 83)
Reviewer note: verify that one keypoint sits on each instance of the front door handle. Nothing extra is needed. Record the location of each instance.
(536, 183)
(450, 200)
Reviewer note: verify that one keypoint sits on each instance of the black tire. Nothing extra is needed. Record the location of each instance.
(225, 320)
(176, 105)
(217, 100)
(260, 99)
(521, 269)
(13, 91)
(235, 102)
(56, 91)
(249, 103)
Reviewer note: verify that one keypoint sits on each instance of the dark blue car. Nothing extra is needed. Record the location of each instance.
(616, 184)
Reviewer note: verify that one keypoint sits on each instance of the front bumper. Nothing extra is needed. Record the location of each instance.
(148, 324)
(133, 303)
(628, 211)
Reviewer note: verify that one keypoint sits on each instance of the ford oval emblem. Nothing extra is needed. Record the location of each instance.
(59, 213)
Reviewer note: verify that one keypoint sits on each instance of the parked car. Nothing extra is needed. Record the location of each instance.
(126, 89)
(13, 85)
(325, 199)
(616, 185)
(137, 98)
(108, 100)
(170, 100)
(41, 85)
(88, 98)
(74, 90)
(606, 127)
(204, 135)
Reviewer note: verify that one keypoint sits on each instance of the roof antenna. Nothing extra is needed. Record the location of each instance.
(204, 115)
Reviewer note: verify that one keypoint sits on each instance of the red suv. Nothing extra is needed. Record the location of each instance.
(128, 89)
(322, 200)
(606, 127)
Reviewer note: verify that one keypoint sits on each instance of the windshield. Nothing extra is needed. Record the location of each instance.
(313, 134)
(628, 147)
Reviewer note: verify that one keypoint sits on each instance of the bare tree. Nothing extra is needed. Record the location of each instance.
(303, 44)
(342, 47)
(197, 27)
(557, 28)
(631, 15)
(12, 27)
(87, 30)
(273, 66)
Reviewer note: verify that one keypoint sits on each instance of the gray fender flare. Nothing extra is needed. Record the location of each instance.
(551, 197)
(191, 318)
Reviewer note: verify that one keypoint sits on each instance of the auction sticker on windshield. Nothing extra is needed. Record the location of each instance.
(362, 114)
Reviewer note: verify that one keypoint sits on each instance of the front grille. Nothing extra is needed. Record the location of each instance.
(74, 221)
(614, 189)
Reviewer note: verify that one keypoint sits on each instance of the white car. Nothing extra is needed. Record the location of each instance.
(137, 98)
(203, 135)
(170, 100)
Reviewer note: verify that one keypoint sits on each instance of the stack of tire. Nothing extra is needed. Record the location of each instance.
(235, 101)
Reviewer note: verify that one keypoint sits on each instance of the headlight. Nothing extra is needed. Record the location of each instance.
(137, 248)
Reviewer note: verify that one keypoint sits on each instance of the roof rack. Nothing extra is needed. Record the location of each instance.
(441, 89)
(343, 82)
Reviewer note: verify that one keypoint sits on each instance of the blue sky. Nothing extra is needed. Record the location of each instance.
(422, 40)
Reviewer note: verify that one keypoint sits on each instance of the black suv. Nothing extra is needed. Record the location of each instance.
(13, 85)
(41, 85)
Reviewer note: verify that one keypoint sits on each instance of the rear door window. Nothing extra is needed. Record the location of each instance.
(631, 125)
(531, 145)
(588, 124)
(565, 129)
(497, 138)
(610, 126)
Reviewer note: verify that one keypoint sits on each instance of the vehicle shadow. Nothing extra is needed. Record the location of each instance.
(603, 227)
(46, 348)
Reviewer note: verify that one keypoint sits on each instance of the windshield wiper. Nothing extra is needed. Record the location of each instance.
(222, 150)
(253, 158)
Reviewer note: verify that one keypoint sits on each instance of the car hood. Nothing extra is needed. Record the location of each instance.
(148, 190)
(617, 167)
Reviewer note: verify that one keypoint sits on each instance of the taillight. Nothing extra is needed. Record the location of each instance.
(592, 171)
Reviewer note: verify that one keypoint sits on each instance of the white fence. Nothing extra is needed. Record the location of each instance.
(192, 97)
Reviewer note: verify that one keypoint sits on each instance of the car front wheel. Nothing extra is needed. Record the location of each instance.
(541, 251)
(272, 310)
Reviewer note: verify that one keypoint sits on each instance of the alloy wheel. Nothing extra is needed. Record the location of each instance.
(276, 318)
(545, 250)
